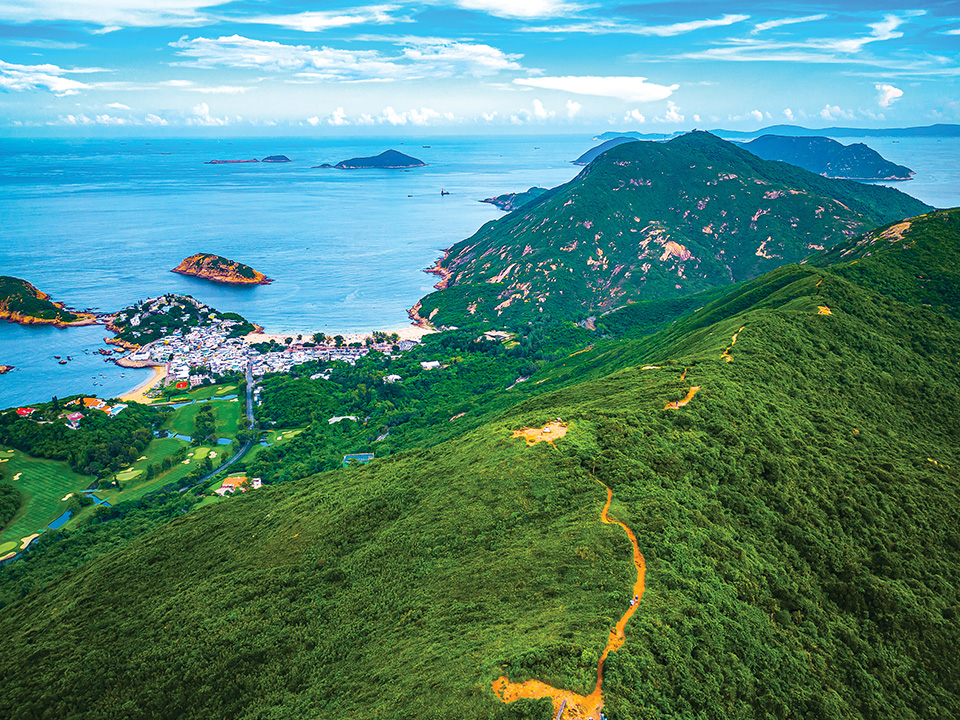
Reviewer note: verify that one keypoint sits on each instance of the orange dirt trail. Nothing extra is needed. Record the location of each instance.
(726, 353)
(582, 707)
(548, 433)
(680, 403)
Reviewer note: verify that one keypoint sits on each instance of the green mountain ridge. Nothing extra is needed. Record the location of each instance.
(798, 518)
(647, 221)
(828, 157)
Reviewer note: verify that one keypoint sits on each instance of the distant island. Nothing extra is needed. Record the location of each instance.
(387, 160)
(828, 157)
(512, 201)
(938, 130)
(590, 154)
(4, 369)
(219, 269)
(268, 159)
(21, 302)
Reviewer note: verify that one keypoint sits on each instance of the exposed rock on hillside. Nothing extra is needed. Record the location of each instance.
(219, 269)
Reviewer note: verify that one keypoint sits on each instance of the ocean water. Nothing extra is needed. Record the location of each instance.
(99, 224)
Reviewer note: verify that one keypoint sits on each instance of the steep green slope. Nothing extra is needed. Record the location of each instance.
(647, 221)
(798, 518)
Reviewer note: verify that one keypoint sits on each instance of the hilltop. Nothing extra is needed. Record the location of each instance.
(219, 269)
(649, 221)
(592, 153)
(828, 157)
(387, 160)
(151, 319)
(785, 515)
(21, 302)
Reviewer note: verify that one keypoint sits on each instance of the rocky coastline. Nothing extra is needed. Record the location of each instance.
(219, 269)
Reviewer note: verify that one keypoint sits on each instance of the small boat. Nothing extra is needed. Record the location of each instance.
(62, 362)
(443, 192)
(426, 146)
(56, 357)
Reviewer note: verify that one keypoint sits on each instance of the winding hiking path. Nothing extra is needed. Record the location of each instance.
(567, 704)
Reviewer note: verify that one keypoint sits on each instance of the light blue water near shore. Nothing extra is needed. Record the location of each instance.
(99, 224)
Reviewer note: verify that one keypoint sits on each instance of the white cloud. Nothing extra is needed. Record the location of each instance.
(886, 29)
(152, 119)
(111, 120)
(696, 118)
(110, 14)
(887, 94)
(573, 108)
(604, 27)
(770, 24)
(338, 117)
(540, 112)
(202, 116)
(631, 89)
(521, 9)
(834, 112)
(418, 57)
(389, 116)
(634, 116)
(80, 119)
(314, 121)
(219, 89)
(672, 115)
(320, 20)
(118, 106)
(955, 31)
(489, 117)
(756, 115)
(788, 114)
(36, 77)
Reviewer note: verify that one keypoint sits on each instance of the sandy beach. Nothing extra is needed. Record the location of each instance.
(138, 394)
(405, 332)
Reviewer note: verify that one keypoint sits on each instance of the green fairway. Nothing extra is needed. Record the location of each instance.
(273, 437)
(226, 416)
(43, 484)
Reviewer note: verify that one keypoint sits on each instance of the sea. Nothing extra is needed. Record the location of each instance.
(99, 224)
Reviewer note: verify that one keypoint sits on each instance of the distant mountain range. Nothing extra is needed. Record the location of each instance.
(651, 221)
(828, 157)
(938, 130)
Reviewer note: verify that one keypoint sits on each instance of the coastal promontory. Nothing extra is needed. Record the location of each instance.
(828, 157)
(387, 160)
(21, 302)
(219, 269)
(511, 201)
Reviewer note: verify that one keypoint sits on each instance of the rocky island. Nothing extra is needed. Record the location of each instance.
(21, 302)
(4, 369)
(512, 201)
(268, 159)
(219, 269)
(387, 160)
(828, 157)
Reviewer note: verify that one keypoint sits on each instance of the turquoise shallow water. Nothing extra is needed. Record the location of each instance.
(99, 224)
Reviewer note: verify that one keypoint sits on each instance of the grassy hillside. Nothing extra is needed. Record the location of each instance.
(798, 518)
(648, 221)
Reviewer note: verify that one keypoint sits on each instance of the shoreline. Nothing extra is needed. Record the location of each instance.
(138, 394)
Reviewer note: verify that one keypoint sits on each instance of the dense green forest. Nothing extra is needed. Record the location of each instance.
(799, 520)
(101, 444)
(21, 298)
(10, 500)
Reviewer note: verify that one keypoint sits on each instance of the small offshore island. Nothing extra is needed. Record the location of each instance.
(387, 160)
(268, 159)
(22, 303)
(220, 269)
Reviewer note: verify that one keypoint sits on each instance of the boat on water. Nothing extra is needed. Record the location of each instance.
(443, 192)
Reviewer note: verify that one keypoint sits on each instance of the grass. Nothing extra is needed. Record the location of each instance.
(226, 416)
(274, 437)
(43, 484)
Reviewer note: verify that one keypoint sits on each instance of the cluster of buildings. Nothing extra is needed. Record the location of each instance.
(211, 347)
(72, 419)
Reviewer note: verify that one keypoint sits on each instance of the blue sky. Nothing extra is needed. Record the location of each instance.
(156, 67)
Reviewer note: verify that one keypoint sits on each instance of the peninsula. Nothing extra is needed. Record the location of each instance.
(387, 160)
(512, 201)
(828, 157)
(22, 303)
(219, 269)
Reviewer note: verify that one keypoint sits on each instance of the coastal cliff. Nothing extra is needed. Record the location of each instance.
(22, 303)
(219, 269)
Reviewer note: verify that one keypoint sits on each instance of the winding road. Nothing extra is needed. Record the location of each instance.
(246, 446)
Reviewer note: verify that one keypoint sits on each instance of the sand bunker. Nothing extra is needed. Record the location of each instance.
(568, 705)
(548, 433)
(17, 476)
(680, 403)
(27, 540)
(66, 497)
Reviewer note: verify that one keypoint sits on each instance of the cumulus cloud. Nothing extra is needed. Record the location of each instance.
(887, 94)
(338, 117)
(118, 106)
(489, 116)
(152, 119)
(390, 116)
(788, 114)
(672, 115)
(110, 14)
(418, 57)
(36, 77)
(111, 120)
(756, 115)
(834, 112)
(540, 112)
(202, 116)
(634, 116)
(631, 89)
(573, 108)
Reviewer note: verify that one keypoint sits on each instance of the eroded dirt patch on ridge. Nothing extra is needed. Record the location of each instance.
(546, 433)
(680, 403)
